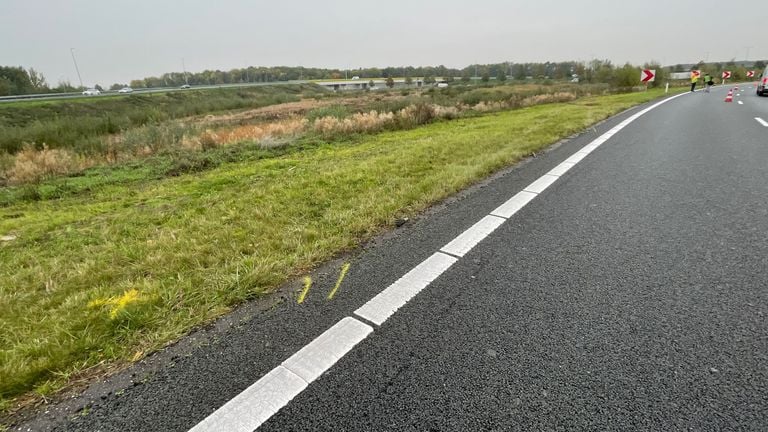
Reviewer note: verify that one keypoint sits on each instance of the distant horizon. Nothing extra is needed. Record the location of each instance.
(108, 84)
(117, 43)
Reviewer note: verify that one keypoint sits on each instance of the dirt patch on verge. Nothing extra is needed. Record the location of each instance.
(272, 112)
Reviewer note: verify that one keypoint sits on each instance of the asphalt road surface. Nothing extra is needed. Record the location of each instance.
(53, 96)
(629, 294)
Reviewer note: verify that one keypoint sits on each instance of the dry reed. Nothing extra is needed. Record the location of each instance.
(32, 165)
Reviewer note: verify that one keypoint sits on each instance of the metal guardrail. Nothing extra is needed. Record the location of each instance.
(37, 96)
(52, 96)
(80, 94)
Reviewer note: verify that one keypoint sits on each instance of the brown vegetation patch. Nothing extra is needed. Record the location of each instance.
(267, 113)
(32, 165)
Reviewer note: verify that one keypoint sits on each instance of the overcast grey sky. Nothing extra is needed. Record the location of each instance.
(116, 41)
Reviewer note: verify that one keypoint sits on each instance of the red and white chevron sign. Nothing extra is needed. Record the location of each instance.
(726, 74)
(750, 74)
(648, 75)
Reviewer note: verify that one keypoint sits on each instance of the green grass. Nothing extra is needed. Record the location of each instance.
(130, 264)
(172, 163)
(337, 111)
(81, 125)
(95, 145)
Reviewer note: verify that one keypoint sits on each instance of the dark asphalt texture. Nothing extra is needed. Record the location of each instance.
(631, 295)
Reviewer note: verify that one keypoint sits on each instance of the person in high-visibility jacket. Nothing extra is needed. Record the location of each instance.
(694, 80)
(708, 82)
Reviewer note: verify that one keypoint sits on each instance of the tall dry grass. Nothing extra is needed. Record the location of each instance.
(360, 122)
(374, 121)
(548, 98)
(32, 165)
(490, 106)
(449, 112)
(265, 134)
(517, 101)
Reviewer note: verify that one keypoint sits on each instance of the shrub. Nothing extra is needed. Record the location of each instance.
(488, 106)
(269, 142)
(208, 140)
(153, 138)
(626, 77)
(337, 111)
(393, 105)
(446, 112)
(476, 96)
(6, 162)
(417, 114)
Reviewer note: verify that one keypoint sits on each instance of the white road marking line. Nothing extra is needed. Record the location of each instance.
(387, 302)
(741, 103)
(256, 404)
(540, 184)
(576, 158)
(561, 169)
(319, 355)
(761, 121)
(514, 204)
(472, 236)
(587, 149)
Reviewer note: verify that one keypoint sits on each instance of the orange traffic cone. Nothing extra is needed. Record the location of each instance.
(729, 97)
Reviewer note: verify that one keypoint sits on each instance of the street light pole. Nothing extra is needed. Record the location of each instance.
(72, 51)
(184, 68)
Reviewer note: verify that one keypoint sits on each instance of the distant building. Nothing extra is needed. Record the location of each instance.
(357, 84)
(680, 75)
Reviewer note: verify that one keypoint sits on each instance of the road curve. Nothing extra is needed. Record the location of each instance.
(628, 294)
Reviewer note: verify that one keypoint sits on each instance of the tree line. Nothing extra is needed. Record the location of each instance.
(551, 70)
(20, 81)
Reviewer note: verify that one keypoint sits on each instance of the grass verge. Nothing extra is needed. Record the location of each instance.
(127, 267)
(81, 125)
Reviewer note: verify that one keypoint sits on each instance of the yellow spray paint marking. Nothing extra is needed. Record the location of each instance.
(118, 303)
(305, 291)
(344, 270)
(136, 357)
